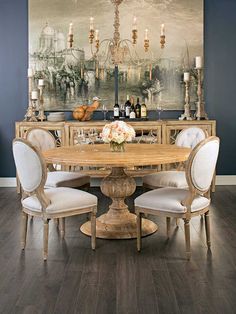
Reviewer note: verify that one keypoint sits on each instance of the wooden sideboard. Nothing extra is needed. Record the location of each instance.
(159, 131)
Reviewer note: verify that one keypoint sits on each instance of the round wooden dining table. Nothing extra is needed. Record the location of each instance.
(118, 222)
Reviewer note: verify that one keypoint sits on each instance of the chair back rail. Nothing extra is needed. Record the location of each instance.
(31, 169)
(41, 138)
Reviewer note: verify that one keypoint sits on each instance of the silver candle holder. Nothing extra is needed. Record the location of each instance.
(30, 113)
(200, 113)
(41, 116)
(187, 113)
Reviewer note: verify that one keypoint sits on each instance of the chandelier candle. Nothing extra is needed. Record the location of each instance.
(91, 32)
(134, 31)
(162, 37)
(70, 36)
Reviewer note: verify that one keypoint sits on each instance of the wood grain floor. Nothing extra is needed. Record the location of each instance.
(115, 279)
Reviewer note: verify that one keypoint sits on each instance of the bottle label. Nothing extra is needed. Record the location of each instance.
(116, 112)
(143, 112)
(132, 115)
(137, 113)
(127, 111)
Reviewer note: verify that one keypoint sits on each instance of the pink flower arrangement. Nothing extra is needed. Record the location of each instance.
(117, 132)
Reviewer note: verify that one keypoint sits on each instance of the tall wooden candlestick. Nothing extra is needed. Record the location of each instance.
(200, 111)
(30, 113)
(187, 114)
(41, 116)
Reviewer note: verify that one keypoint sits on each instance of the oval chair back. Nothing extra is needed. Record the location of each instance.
(190, 137)
(201, 164)
(30, 165)
(41, 138)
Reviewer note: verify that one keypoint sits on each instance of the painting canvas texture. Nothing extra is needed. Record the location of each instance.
(73, 76)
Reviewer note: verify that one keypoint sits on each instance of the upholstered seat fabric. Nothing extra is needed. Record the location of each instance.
(190, 137)
(62, 199)
(174, 179)
(66, 179)
(169, 200)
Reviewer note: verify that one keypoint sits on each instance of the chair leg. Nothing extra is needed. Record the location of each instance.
(187, 238)
(139, 231)
(93, 230)
(62, 227)
(168, 227)
(207, 226)
(45, 239)
(24, 223)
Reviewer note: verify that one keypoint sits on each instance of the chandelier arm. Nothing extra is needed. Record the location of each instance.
(127, 41)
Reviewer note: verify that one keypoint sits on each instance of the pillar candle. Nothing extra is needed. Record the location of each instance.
(30, 72)
(198, 62)
(34, 95)
(146, 34)
(41, 82)
(186, 76)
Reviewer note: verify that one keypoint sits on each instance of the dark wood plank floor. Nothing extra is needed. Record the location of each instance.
(115, 278)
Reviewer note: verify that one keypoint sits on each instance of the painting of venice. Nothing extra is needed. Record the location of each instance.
(75, 75)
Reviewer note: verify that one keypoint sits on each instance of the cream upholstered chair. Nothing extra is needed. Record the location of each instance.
(183, 203)
(51, 203)
(188, 137)
(44, 140)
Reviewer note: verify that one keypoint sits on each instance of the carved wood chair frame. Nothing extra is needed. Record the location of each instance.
(45, 202)
(187, 215)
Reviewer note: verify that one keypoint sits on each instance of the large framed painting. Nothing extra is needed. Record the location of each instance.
(74, 73)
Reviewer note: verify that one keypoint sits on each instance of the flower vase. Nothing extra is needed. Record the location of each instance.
(117, 147)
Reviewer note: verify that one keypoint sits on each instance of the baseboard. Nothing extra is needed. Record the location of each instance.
(220, 180)
(7, 182)
(226, 180)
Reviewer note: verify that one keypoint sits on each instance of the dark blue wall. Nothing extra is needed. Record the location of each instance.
(220, 73)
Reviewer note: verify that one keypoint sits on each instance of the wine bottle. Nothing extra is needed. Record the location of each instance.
(132, 109)
(127, 107)
(138, 109)
(116, 110)
(143, 111)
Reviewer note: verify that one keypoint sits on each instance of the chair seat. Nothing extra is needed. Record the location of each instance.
(62, 199)
(169, 200)
(66, 179)
(163, 179)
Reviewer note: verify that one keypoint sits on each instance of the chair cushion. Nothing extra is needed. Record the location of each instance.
(66, 179)
(169, 200)
(62, 199)
(164, 179)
